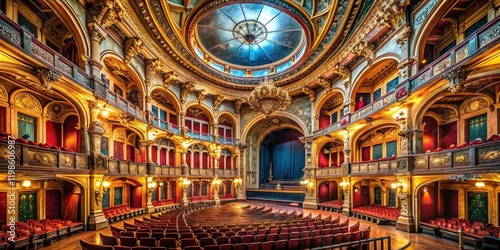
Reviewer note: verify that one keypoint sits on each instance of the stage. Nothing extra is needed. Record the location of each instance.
(276, 195)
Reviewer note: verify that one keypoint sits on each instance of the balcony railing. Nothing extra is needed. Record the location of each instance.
(126, 167)
(168, 170)
(382, 166)
(228, 141)
(374, 106)
(329, 172)
(470, 158)
(125, 106)
(33, 156)
(472, 45)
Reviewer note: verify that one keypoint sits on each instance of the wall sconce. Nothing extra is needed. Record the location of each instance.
(425, 189)
(26, 183)
(480, 184)
(238, 182)
(152, 135)
(308, 185)
(356, 190)
(185, 144)
(344, 184)
(151, 188)
(101, 187)
(398, 184)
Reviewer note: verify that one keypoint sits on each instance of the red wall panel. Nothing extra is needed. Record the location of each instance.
(428, 203)
(365, 154)
(322, 160)
(448, 134)
(154, 156)
(136, 196)
(70, 137)
(324, 120)
(118, 150)
(365, 195)
(171, 157)
(430, 136)
(204, 158)
(323, 190)
(333, 192)
(71, 203)
(228, 162)
(449, 203)
(53, 204)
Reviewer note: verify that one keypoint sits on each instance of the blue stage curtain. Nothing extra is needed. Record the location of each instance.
(287, 154)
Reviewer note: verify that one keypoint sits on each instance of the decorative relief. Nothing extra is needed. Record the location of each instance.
(456, 77)
(119, 135)
(489, 35)
(475, 104)
(461, 157)
(28, 101)
(310, 93)
(186, 88)
(46, 77)
(365, 50)
(379, 136)
(67, 160)
(36, 157)
(442, 66)
(420, 163)
(324, 83)
(107, 13)
(391, 13)
(10, 33)
(345, 72)
(218, 99)
(237, 105)
(489, 153)
(4, 95)
(170, 78)
(65, 68)
(461, 54)
(446, 113)
(302, 109)
(55, 111)
(46, 56)
(152, 67)
(132, 47)
(439, 160)
(4, 153)
(201, 95)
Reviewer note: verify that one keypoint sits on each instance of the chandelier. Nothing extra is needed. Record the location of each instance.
(268, 98)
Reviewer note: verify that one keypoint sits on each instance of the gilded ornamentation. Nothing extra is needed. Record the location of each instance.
(310, 93)
(10, 33)
(465, 177)
(489, 35)
(237, 105)
(379, 136)
(365, 50)
(403, 37)
(268, 98)
(67, 160)
(119, 135)
(489, 153)
(132, 47)
(201, 95)
(82, 162)
(4, 153)
(152, 67)
(461, 157)
(4, 95)
(218, 99)
(343, 72)
(420, 163)
(186, 88)
(327, 85)
(96, 34)
(439, 160)
(36, 157)
(475, 104)
(403, 201)
(28, 101)
(461, 54)
(55, 111)
(456, 77)
(108, 12)
(46, 77)
(446, 113)
(391, 13)
(170, 78)
(46, 56)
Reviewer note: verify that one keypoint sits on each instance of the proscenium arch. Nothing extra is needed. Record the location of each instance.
(261, 117)
(377, 61)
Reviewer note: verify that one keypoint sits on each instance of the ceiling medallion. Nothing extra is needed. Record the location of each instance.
(268, 98)
(250, 32)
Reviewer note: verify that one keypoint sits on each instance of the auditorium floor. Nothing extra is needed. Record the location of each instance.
(398, 238)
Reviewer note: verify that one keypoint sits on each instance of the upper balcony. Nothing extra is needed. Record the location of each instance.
(29, 45)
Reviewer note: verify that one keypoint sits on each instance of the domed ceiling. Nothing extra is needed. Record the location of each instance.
(237, 43)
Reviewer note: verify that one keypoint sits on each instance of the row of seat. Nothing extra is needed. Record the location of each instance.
(466, 144)
(4, 136)
(382, 212)
(122, 212)
(33, 233)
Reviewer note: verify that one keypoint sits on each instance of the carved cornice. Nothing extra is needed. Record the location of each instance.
(46, 77)
(310, 93)
(390, 13)
(327, 85)
(152, 67)
(456, 78)
(365, 50)
(403, 37)
(108, 12)
(132, 46)
(217, 102)
(96, 64)
(186, 88)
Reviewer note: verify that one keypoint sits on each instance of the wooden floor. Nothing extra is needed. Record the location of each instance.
(234, 214)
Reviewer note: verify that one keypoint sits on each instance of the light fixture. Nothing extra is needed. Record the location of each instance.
(344, 184)
(106, 184)
(105, 113)
(26, 183)
(309, 186)
(480, 184)
(152, 135)
(394, 185)
(356, 190)
(267, 98)
(237, 184)
(425, 189)
(398, 184)
(161, 183)
(101, 187)
(185, 144)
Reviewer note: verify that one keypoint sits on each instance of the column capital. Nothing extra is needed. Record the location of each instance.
(97, 33)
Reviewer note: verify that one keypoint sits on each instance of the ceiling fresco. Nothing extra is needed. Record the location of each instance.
(237, 43)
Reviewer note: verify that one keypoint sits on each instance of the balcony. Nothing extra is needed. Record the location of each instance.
(16, 36)
(34, 158)
(126, 167)
(168, 170)
(125, 106)
(228, 141)
(344, 121)
(480, 157)
(329, 172)
(388, 166)
(477, 43)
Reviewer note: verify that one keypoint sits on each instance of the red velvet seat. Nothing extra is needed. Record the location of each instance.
(246, 238)
(128, 241)
(316, 241)
(213, 247)
(168, 242)
(240, 246)
(268, 245)
(91, 246)
(254, 246)
(305, 243)
(148, 241)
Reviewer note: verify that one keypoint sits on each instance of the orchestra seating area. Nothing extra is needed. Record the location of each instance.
(334, 205)
(376, 213)
(271, 229)
(33, 233)
(122, 212)
(474, 232)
